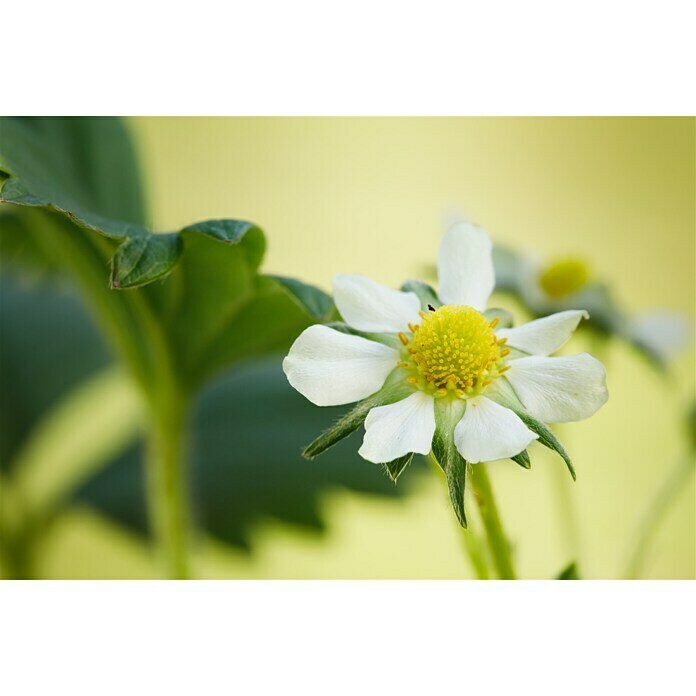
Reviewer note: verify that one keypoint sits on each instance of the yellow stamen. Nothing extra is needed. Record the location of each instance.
(495, 322)
(402, 338)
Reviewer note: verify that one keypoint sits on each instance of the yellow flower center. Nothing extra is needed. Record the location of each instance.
(454, 349)
(564, 277)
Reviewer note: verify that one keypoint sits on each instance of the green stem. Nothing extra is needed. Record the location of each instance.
(473, 547)
(657, 511)
(167, 491)
(497, 541)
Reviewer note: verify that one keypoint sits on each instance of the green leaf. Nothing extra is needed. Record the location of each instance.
(395, 467)
(246, 468)
(50, 160)
(234, 232)
(247, 421)
(426, 294)
(505, 318)
(522, 459)
(85, 169)
(144, 257)
(47, 346)
(546, 438)
(570, 572)
(314, 301)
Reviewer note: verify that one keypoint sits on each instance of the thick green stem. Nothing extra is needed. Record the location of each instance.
(167, 490)
(497, 541)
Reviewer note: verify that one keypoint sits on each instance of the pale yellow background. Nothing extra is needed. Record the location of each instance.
(370, 196)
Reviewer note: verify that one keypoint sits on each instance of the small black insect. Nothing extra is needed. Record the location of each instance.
(431, 308)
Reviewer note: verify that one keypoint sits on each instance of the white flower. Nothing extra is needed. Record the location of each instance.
(568, 283)
(447, 369)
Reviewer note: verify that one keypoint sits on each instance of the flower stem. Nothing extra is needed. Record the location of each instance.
(497, 541)
(656, 513)
(473, 546)
(167, 497)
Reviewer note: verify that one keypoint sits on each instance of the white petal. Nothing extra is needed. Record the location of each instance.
(489, 431)
(664, 333)
(331, 368)
(556, 390)
(370, 306)
(465, 267)
(544, 336)
(397, 429)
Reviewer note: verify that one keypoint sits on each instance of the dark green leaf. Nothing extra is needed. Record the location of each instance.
(314, 301)
(426, 294)
(395, 467)
(47, 346)
(570, 572)
(247, 432)
(144, 257)
(85, 168)
(546, 438)
(234, 232)
(522, 459)
(51, 160)
(245, 461)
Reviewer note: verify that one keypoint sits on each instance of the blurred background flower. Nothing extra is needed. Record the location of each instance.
(618, 193)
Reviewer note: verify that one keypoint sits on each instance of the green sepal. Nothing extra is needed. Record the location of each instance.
(393, 390)
(546, 438)
(314, 301)
(570, 572)
(454, 466)
(425, 293)
(505, 319)
(395, 467)
(342, 428)
(522, 459)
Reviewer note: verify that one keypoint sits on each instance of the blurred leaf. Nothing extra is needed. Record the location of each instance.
(570, 572)
(47, 346)
(85, 168)
(313, 300)
(509, 269)
(50, 160)
(248, 431)
(425, 293)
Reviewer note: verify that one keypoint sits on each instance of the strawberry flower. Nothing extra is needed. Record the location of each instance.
(439, 372)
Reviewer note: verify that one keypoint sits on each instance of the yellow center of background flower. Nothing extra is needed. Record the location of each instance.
(456, 348)
(564, 277)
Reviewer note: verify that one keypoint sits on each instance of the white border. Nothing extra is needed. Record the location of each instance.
(376, 57)
(347, 638)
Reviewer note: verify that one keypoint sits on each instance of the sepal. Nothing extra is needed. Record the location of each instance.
(546, 438)
(395, 467)
(522, 459)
